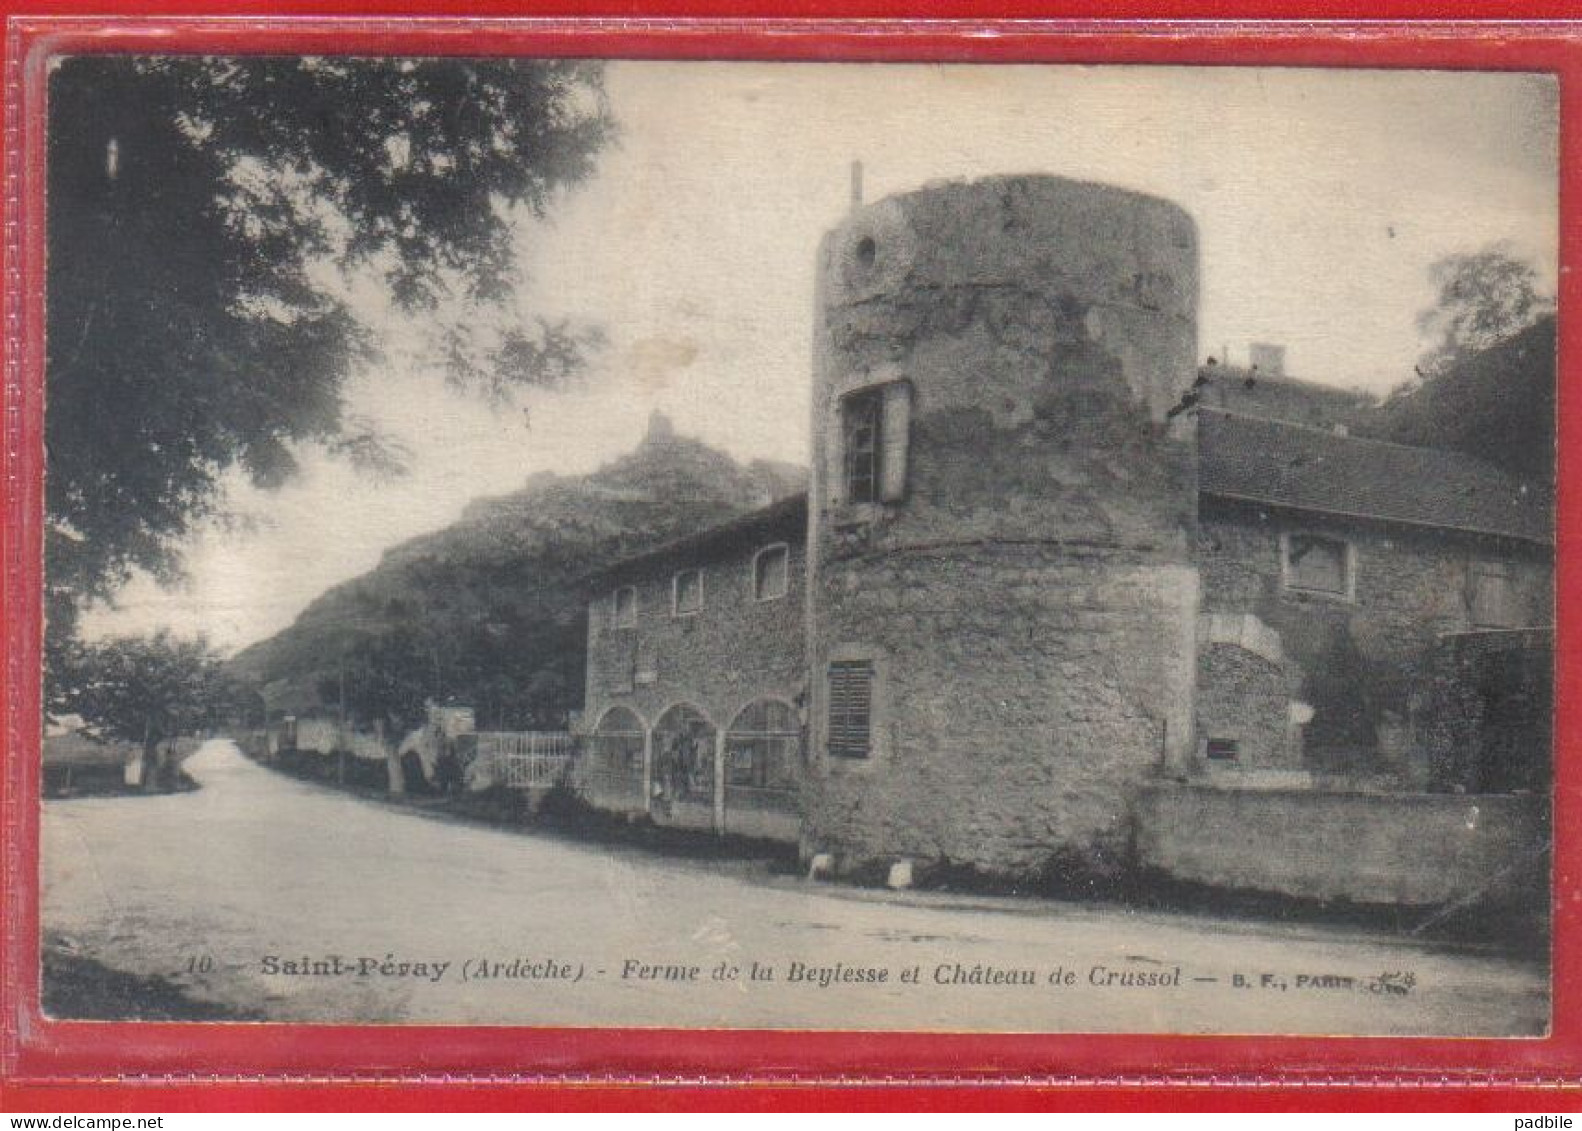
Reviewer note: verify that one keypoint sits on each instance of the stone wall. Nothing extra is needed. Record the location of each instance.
(1417, 849)
(734, 651)
(1359, 660)
(1022, 695)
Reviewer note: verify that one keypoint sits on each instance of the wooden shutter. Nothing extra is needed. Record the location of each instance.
(895, 432)
(850, 708)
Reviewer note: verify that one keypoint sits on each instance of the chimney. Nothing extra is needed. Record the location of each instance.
(856, 185)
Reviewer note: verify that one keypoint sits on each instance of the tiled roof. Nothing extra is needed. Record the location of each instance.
(1289, 465)
(784, 520)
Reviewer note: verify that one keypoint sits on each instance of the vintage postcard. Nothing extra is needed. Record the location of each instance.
(786, 545)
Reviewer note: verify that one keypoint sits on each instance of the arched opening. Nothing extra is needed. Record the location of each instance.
(763, 748)
(763, 768)
(684, 759)
(619, 722)
(612, 769)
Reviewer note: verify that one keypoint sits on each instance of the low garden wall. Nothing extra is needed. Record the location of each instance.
(1408, 849)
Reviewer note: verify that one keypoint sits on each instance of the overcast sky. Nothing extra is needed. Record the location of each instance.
(1321, 198)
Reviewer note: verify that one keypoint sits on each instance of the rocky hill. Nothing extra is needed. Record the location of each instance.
(492, 609)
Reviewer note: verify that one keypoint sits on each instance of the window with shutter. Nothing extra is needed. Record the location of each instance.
(850, 708)
(876, 426)
(861, 423)
(1493, 600)
(895, 432)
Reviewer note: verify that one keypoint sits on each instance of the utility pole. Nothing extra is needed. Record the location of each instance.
(340, 736)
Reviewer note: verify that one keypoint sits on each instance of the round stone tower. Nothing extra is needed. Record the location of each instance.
(1002, 605)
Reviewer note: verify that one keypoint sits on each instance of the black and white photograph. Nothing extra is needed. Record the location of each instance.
(968, 548)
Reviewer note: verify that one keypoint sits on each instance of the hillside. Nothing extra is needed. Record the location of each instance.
(1498, 405)
(491, 610)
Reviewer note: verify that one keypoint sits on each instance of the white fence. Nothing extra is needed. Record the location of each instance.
(522, 759)
(326, 736)
(320, 735)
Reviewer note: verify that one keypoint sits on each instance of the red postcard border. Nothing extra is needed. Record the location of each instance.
(272, 1064)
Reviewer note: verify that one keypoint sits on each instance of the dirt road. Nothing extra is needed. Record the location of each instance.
(265, 893)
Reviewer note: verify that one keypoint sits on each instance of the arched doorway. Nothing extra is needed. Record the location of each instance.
(683, 773)
(763, 771)
(612, 769)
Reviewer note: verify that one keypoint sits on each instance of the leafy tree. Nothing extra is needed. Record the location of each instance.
(146, 690)
(1482, 298)
(208, 218)
(386, 681)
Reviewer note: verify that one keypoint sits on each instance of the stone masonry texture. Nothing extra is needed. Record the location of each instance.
(1402, 848)
(1029, 606)
(1357, 661)
(1245, 698)
(736, 650)
(1055, 621)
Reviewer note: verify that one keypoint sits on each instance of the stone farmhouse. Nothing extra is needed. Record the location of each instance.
(1056, 596)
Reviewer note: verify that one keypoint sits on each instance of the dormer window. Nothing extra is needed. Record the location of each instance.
(687, 593)
(626, 607)
(771, 573)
